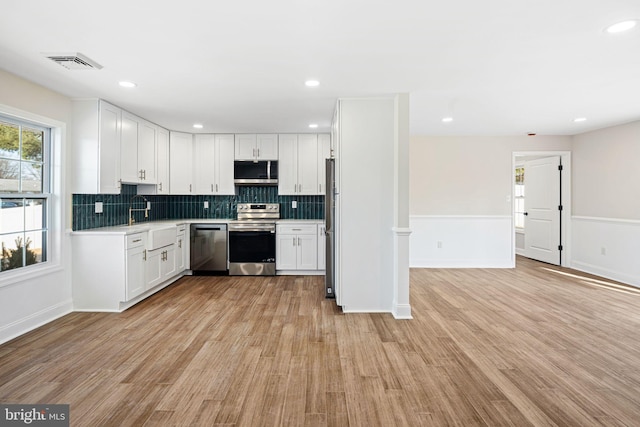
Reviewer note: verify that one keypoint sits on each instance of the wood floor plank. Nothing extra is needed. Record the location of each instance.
(533, 346)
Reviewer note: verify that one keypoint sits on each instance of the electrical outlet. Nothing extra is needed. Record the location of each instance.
(439, 244)
(99, 207)
(294, 204)
(206, 205)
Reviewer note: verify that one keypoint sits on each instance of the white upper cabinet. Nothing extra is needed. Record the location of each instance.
(180, 163)
(267, 146)
(95, 135)
(147, 151)
(204, 155)
(287, 164)
(223, 165)
(213, 162)
(298, 164)
(324, 152)
(137, 150)
(308, 164)
(256, 147)
(129, 149)
(162, 166)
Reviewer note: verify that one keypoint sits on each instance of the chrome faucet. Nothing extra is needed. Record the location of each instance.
(131, 210)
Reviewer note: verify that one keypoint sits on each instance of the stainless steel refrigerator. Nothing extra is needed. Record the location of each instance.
(329, 219)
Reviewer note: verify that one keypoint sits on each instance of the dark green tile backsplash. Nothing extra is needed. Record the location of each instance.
(116, 206)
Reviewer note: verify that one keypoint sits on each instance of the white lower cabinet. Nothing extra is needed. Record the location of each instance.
(112, 270)
(161, 265)
(135, 265)
(182, 248)
(296, 246)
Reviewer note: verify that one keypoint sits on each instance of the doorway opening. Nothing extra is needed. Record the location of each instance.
(541, 194)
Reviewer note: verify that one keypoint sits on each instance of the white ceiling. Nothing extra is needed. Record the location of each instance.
(499, 67)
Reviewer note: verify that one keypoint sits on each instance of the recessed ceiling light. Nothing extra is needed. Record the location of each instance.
(313, 125)
(198, 126)
(580, 119)
(621, 26)
(312, 83)
(127, 84)
(447, 119)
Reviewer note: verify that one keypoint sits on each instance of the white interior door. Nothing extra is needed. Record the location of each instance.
(542, 201)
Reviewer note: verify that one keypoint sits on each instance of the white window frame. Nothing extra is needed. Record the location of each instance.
(55, 198)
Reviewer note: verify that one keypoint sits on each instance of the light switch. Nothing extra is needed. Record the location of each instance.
(98, 207)
(294, 204)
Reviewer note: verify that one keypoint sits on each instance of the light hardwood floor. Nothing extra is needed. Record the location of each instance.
(518, 347)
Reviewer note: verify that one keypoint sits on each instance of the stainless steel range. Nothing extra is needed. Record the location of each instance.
(252, 240)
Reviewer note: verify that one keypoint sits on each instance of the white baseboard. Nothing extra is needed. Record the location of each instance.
(402, 311)
(35, 320)
(605, 273)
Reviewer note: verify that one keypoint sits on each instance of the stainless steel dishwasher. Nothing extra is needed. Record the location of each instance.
(209, 248)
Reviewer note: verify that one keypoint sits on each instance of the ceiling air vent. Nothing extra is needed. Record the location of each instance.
(74, 61)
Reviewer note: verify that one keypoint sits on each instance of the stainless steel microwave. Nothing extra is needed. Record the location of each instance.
(262, 172)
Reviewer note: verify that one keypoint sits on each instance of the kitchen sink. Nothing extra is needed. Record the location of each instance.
(161, 236)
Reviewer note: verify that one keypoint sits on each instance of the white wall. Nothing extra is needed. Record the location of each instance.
(606, 207)
(27, 301)
(460, 198)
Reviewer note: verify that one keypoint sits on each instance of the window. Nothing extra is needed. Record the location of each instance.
(518, 205)
(24, 193)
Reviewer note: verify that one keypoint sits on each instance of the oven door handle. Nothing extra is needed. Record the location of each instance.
(241, 229)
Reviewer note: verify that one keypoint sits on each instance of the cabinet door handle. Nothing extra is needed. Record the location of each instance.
(137, 240)
(258, 152)
(212, 188)
(319, 188)
(160, 187)
(298, 241)
(180, 243)
(254, 152)
(294, 241)
(189, 188)
(216, 188)
(144, 174)
(144, 255)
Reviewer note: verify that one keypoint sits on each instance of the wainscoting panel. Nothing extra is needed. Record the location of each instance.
(607, 247)
(461, 242)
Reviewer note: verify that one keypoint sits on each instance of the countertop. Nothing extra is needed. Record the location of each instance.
(140, 227)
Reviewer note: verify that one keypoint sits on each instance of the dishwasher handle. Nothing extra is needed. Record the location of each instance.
(218, 227)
